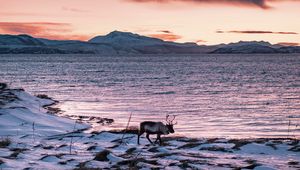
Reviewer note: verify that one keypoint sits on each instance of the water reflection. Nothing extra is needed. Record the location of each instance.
(213, 95)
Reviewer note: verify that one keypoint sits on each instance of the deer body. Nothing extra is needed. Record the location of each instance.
(157, 128)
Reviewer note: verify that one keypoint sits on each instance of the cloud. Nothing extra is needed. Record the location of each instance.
(200, 41)
(49, 30)
(165, 31)
(166, 36)
(264, 4)
(74, 10)
(18, 14)
(33, 28)
(285, 32)
(255, 32)
(289, 43)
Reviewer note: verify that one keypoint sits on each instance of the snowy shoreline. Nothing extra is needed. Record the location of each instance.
(31, 138)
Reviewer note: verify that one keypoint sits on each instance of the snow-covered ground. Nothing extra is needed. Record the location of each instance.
(31, 138)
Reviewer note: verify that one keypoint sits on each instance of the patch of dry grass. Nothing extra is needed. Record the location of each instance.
(82, 166)
(130, 150)
(216, 148)
(133, 163)
(48, 147)
(102, 156)
(153, 149)
(16, 152)
(3, 86)
(162, 155)
(130, 130)
(293, 163)
(53, 110)
(189, 145)
(5, 143)
(253, 164)
(238, 143)
(43, 96)
(91, 148)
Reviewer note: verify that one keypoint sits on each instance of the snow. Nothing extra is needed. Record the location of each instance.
(26, 115)
(263, 168)
(125, 39)
(49, 146)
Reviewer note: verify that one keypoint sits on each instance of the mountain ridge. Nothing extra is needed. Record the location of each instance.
(121, 43)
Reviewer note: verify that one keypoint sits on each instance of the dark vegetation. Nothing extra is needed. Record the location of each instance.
(5, 143)
(16, 152)
(3, 86)
(102, 156)
(43, 96)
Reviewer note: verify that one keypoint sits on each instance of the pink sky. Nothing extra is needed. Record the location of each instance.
(202, 21)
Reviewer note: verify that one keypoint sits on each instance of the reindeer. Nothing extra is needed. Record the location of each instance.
(156, 128)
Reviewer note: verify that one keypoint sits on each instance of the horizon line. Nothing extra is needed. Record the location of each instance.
(87, 41)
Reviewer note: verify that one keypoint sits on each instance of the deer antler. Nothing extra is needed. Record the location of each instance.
(167, 118)
(169, 121)
(173, 118)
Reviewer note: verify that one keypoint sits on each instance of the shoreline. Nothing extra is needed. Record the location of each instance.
(60, 145)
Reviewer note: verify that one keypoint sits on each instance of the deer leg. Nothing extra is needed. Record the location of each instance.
(139, 134)
(160, 142)
(147, 136)
(157, 138)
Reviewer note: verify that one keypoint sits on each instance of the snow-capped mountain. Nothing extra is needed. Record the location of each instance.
(138, 44)
(250, 47)
(126, 39)
(122, 43)
(22, 39)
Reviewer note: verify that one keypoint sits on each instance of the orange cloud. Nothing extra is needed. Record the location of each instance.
(74, 9)
(166, 36)
(289, 43)
(200, 41)
(165, 31)
(254, 3)
(255, 32)
(48, 30)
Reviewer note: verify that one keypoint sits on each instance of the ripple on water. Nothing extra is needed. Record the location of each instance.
(212, 95)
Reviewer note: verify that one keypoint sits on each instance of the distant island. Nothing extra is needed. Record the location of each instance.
(120, 43)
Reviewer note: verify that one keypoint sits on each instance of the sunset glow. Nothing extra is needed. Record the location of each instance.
(201, 21)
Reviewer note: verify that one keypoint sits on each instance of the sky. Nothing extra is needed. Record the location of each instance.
(205, 22)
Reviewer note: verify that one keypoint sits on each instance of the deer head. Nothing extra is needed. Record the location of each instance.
(170, 123)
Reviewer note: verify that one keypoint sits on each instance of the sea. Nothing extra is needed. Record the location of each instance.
(211, 95)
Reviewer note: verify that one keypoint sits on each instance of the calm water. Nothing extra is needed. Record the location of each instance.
(213, 95)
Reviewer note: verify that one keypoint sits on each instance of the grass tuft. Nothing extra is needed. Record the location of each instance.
(102, 156)
(293, 163)
(43, 96)
(5, 143)
(3, 86)
(130, 129)
(16, 152)
(86, 168)
(82, 166)
(91, 148)
(216, 148)
(130, 150)
(253, 164)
